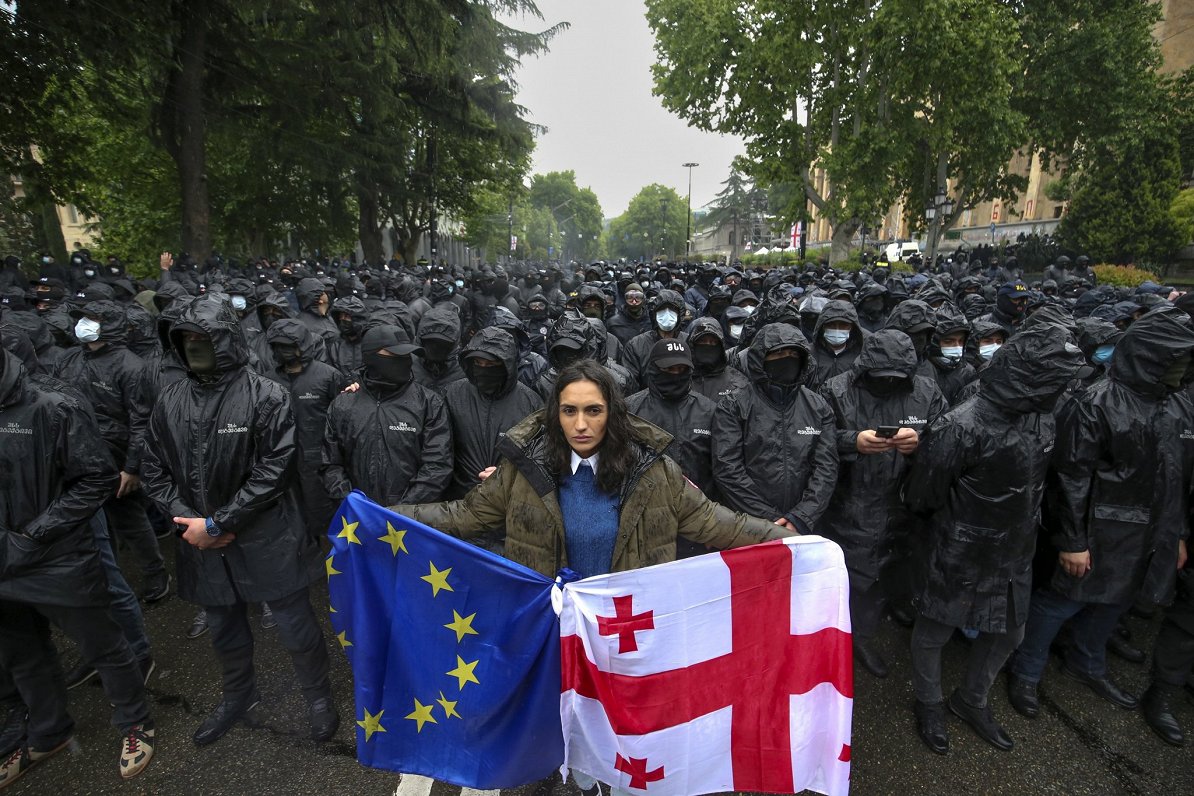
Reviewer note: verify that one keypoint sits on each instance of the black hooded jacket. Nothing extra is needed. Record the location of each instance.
(344, 352)
(978, 479)
(478, 421)
(637, 352)
(774, 459)
(55, 473)
(865, 513)
(395, 445)
(308, 292)
(690, 422)
(224, 448)
(829, 363)
(258, 342)
(442, 322)
(115, 382)
(719, 380)
(1122, 468)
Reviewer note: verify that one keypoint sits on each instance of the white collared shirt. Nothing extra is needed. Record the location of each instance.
(592, 461)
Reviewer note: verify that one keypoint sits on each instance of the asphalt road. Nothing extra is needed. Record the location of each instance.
(1079, 744)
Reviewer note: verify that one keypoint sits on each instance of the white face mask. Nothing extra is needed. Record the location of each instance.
(987, 351)
(952, 352)
(667, 320)
(736, 330)
(87, 330)
(239, 303)
(836, 337)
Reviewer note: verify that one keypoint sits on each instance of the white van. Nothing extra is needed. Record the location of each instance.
(902, 251)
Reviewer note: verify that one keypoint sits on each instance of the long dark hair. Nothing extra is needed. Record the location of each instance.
(618, 450)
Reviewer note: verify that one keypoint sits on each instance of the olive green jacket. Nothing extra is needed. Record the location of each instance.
(657, 503)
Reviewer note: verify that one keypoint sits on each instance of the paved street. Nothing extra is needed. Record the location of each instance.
(1079, 745)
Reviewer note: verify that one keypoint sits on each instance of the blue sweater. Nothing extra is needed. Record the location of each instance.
(590, 522)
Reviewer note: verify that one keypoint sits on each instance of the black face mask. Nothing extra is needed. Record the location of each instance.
(537, 314)
(717, 307)
(591, 311)
(871, 307)
(671, 386)
(346, 327)
(437, 350)
(489, 381)
(920, 341)
(267, 320)
(391, 371)
(500, 287)
(783, 372)
(200, 355)
(707, 357)
(562, 356)
(883, 386)
(286, 354)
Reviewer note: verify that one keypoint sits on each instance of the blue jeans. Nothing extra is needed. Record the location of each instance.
(1092, 626)
(124, 608)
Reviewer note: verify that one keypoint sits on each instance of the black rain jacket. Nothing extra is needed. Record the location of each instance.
(865, 515)
(828, 363)
(440, 321)
(55, 473)
(720, 380)
(225, 448)
(978, 479)
(775, 459)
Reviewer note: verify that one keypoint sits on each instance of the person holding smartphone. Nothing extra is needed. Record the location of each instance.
(880, 407)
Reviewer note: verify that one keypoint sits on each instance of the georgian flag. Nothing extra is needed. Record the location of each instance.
(724, 672)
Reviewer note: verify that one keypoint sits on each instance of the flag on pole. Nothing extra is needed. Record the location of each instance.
(725, 672)
(454, 652)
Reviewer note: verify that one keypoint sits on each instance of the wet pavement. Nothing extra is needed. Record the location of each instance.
(1078, 745)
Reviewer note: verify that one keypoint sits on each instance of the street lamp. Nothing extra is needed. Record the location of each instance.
(688, 220)
(939, 209)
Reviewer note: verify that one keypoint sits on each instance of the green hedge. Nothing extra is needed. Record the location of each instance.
(1122, 275)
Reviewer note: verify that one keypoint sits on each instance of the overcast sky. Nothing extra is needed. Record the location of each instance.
(593, 93)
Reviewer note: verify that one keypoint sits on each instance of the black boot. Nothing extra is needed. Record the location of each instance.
(224, 717)
(930, 725)
(1103, 686)
(324, 718)
(981, 720)
(1121, 647)
(1023, 697)
(1159, 716)
(870, 658)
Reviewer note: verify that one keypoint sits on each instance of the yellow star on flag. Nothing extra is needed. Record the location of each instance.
(448, 706)
(463, 625)
(371, 724)
(349, 531)
(342, 637)
(422, 715)
(438, 579)
(331, 568)
(464, 672)
(395, 539)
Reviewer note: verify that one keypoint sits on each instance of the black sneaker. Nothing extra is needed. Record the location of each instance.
(79, 675)
(156, 587)
(223, 718)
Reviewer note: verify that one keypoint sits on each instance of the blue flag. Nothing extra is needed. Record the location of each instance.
(455, 652)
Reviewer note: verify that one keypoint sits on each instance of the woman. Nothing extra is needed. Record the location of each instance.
(584, 484)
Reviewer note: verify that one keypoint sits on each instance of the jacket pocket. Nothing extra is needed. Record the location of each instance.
(22, 552)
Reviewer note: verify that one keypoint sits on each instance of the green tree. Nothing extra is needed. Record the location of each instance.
(652, 227)
(740, 205)
(576, 210)
(1181, 209)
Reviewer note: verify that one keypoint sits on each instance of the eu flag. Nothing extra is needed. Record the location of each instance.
(455, 652)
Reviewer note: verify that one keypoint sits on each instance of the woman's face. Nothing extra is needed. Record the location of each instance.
(583, 414)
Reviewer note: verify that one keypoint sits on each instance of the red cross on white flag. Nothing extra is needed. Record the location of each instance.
(725, 672)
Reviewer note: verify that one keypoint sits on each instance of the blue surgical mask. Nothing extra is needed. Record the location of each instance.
(1102, 354)
(667, 319)
(87, 330)
(459, 283)
(836, 337)
(736, 330)
(988, 350)
(953, 352)
(239, 303)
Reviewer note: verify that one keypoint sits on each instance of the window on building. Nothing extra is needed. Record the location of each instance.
(731, 237)
(1057, 212)
(72, 214)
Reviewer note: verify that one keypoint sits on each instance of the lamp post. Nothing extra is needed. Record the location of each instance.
(939, 208)
(688, 220)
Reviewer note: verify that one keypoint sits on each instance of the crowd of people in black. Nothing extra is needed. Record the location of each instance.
(1005, 462)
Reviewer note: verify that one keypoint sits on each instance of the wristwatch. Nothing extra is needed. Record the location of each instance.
(212, 529)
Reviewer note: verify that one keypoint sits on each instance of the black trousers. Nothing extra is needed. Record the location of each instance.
(128, 522)
(1173, 652)
(232, 640)
(988, 653)
(28, 655)
(867, 601)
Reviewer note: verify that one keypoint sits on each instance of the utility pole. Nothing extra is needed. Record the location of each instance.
(688, 219)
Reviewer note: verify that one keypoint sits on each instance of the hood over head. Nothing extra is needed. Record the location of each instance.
(886, 353)
(773, 337)
(1148, 348)
(293, 332)
(911, 316)
(440, 323)
(308, 291)
(113, 321)
(213, 316)
(496, 344)
(168, 292)
(1032, 369)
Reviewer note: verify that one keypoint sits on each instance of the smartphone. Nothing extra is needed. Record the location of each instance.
(887, 432)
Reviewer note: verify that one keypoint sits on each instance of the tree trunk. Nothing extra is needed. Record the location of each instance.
(410, 247)
(369, 227)
(191, 128)
(839, 248)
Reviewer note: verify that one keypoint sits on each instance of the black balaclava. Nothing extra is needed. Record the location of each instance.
(436, 350)
(920, 341)
(784, 372)
(883, 386)
(267, 320)
(391, 371)
(348, 329)
(706, 357)
(200, 356)
(490, 382)
(671, 386)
